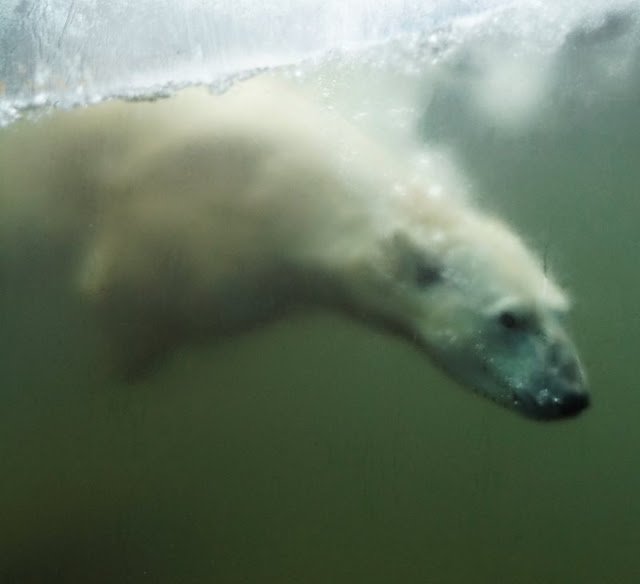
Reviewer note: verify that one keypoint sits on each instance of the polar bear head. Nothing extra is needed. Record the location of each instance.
(466, 290)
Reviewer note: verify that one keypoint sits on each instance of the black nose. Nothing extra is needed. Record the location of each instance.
(573, 403)
(545, 406)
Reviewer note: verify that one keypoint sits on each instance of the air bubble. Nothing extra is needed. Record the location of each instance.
(543, 397)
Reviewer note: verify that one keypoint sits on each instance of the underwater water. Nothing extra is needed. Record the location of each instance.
(317, 450)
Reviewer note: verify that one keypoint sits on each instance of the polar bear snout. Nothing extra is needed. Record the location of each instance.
(573, 403)
(562, 390)
(547, 405)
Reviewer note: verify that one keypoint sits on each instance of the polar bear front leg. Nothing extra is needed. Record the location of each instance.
(138, 333)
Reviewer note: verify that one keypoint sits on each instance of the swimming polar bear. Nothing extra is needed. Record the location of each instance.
(201, 215)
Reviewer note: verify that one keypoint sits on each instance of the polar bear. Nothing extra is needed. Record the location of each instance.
(201, 215)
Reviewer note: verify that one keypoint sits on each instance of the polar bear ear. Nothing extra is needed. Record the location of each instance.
(415, 264)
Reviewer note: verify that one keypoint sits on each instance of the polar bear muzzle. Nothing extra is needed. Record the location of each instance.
(534, 372)
(558, 390)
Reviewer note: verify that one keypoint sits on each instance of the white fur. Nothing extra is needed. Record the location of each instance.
(200, 215)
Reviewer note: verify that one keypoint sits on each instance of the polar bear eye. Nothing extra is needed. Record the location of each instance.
(427, 274)
(510, 320)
